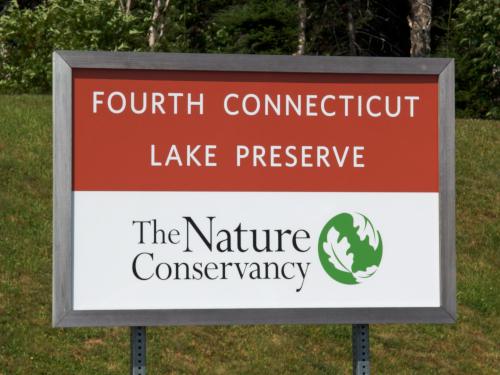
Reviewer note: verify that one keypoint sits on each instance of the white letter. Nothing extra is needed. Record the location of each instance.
(340, 161)
(276, 106)
(157, 103)
(289, 152)
(360, 107)
(257, 104)
(346, 99)
(226, 108)
(323, 108)
(275, 156)
(321, 156)
(411, 99)
(310, 105)
(259, 155)
(132, 103)
(154, 163)
(122, 97)
(191, 155)
(358, 156)
(398, 106)
(306, 155)
(95, 101)
(209, 156)
(175, 95)
(240, 155)
(368, 106)
(297, 107)
(173, 155)
(198, 103)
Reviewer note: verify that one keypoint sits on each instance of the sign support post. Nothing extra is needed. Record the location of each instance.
(360, 349)
(138, 350)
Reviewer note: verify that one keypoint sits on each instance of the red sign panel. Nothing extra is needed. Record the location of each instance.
(231, 131)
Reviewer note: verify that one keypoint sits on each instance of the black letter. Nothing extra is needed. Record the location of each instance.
(173, 232)
(134, 268)
(142, 222)
(295, 238)
(239, 231)
(156, 231)
(190, 221)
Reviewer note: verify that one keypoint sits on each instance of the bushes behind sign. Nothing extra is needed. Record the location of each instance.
(28, 36)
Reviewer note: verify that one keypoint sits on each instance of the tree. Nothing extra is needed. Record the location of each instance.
(420, 19)
(28, 37)
(256, 26)
(357, 27)
(301, 45)
(475, 44)
(126, 5)
(158, 19)
(351, 28)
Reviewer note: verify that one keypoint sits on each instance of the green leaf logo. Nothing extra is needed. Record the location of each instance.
(350, 248)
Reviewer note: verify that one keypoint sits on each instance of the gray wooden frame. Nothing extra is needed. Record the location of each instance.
(64, 61)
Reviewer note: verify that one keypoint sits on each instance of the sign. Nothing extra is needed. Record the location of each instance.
(223, 189)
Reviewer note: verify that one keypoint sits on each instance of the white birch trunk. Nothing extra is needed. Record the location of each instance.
(301, 46)
(419, 20)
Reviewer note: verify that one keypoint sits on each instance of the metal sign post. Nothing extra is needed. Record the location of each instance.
(360, 349)
(138, 350)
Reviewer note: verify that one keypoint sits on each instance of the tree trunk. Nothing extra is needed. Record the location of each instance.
(420, 27)
(351, 30)
(301, 46)
(158, 20)
(125, 6)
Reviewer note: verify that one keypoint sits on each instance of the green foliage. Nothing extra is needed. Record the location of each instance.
(470, 33)
(475, 44)
(28, 37)
(190, 26)
(238, 26)
(256, 26)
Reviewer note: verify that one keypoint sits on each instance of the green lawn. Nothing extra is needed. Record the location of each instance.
(28, 344)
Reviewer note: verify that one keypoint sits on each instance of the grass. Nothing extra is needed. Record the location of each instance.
(28, 344)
